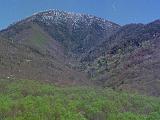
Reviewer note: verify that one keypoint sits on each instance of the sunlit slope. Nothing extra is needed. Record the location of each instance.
(33, 100)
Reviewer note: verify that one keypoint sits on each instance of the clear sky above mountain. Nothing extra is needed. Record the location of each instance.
(119, 11)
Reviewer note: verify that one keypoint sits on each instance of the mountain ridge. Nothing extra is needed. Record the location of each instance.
(69, 48)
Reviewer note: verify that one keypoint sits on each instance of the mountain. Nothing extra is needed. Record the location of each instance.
(69, 48)
(129, 59)
(77, 33)
(46, 45)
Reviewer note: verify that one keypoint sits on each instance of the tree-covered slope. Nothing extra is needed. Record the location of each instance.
(69, 48)
(33, 100)
(49, 44)
(129, 59)
(23, 61)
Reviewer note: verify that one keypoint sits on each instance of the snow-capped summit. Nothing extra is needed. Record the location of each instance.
(77, 32)
(57, 17)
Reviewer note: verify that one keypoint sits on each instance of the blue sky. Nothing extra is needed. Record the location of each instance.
(119, 11)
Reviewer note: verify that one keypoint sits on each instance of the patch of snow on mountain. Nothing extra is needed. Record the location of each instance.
(75, 19)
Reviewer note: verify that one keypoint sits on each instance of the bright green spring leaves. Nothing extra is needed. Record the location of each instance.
(33, 100)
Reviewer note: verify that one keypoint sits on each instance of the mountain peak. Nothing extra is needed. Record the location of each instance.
(56, 12)
(57, 16)
(77, 32)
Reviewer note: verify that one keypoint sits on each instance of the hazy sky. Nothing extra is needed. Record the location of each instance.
(119, 11)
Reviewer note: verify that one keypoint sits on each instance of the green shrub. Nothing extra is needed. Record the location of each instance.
(32, 100)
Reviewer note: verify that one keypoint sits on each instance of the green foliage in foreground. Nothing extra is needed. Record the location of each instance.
(32, 100)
